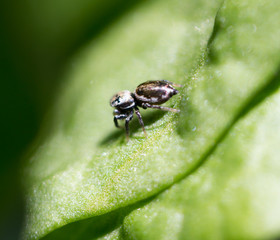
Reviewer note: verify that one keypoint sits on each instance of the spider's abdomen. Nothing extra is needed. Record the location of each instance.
(154, 92)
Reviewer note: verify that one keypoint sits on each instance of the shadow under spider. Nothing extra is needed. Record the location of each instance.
(134, 125)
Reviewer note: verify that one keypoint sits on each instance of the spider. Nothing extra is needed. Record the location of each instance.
(149, 94)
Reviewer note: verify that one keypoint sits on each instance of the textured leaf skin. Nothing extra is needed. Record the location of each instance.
(230, 196)
(210, 172)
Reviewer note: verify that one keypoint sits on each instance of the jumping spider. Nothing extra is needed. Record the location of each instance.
(147, 95)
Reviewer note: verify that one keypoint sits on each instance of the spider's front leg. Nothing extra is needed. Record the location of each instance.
(118, 116)
(116, 121)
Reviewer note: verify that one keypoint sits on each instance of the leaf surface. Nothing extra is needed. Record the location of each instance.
(228, 59)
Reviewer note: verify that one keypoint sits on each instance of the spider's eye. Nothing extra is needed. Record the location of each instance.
(122, 100)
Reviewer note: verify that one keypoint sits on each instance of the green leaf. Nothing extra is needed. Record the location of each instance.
(200, 174)
(235, 195)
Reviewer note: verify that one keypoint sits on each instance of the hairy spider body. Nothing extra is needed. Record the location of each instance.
(147, 95)
(154, 92)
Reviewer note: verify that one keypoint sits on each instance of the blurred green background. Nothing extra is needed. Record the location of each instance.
(36, 39)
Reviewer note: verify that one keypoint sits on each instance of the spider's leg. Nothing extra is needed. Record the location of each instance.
(116, 122)
(122, 116)
(127, 120)
(147, 105)
(118, 115)
(140, 120)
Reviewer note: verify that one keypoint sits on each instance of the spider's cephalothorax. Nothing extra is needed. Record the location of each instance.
(147, 95)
